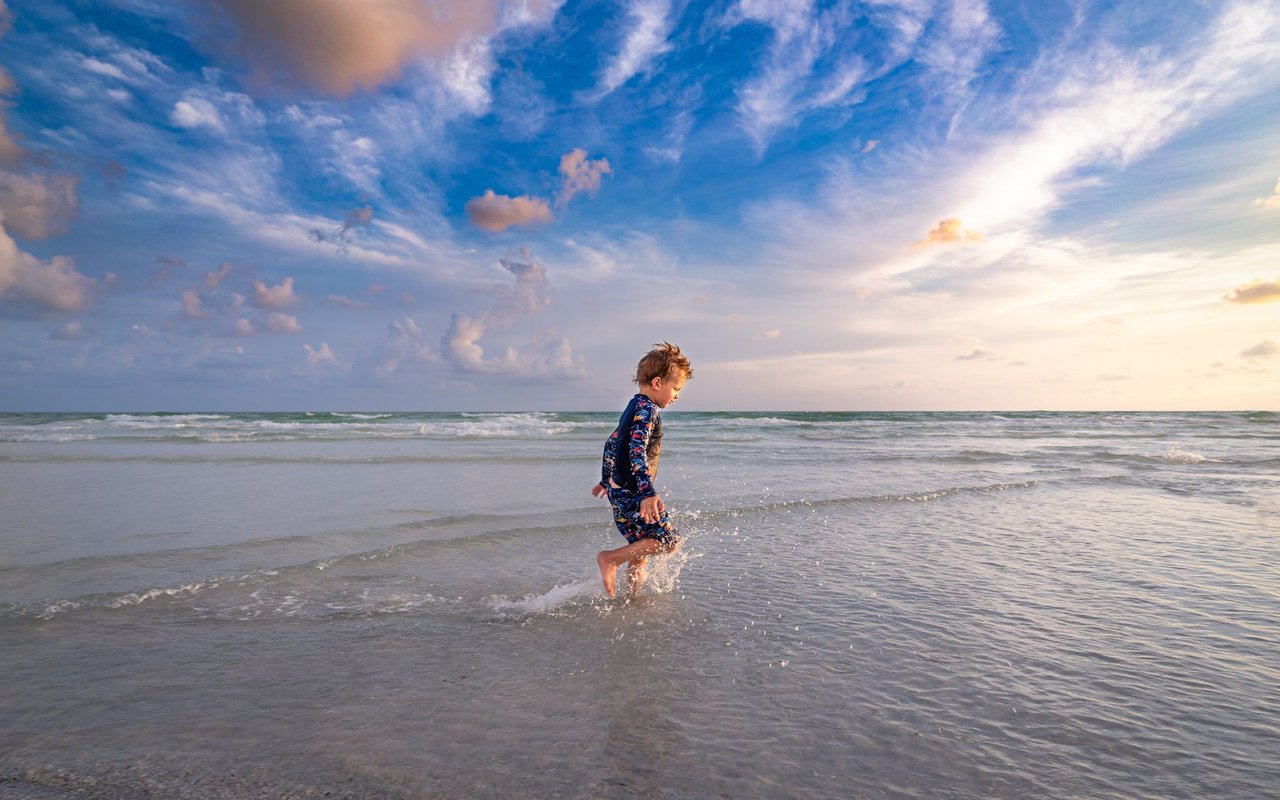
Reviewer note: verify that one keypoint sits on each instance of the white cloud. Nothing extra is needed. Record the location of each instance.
(196, 113)
(644, 43)
(209, 107)
(796, 77)
(461, 342)
(405, 348)
(466, 75)
(103, 68)
(324, 355)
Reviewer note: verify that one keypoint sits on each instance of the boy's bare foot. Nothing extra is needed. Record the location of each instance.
(608, 572)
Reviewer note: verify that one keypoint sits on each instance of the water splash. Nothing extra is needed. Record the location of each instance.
(561, 595)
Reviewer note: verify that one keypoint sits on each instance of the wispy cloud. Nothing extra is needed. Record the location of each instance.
(645, 41)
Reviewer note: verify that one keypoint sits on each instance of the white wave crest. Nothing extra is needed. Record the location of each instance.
(1180, 455)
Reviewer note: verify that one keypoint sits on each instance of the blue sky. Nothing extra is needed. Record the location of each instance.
(488, 205)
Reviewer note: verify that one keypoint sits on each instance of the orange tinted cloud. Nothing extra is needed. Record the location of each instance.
(339, 46)
(497, 212)
(948, 231)
(581, 174)
(1256, 292)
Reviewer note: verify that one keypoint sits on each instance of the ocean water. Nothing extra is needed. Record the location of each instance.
(959, 605)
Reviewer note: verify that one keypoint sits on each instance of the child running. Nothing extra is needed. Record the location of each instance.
(630, 464)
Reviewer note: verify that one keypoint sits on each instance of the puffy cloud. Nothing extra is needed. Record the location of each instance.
(10, 150)
(196, 112)
(580, 174)
(322, 356)
(461, 342)
(405, 348)
(274, 297)
(645, 42)
(948, 231)
(1270, 202)
(278, 322)
(978, 354)
(38, 206)
(496, 212)
(211, 108)
(214, 279)
(192, 305)
(53, 285)
(1256, 292)
(339, 46)
(772, 333)
(1263, 349)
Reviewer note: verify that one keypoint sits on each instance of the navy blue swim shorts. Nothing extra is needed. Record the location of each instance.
(626, 514)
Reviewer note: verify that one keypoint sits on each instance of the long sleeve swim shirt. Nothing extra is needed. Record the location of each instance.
(632, 452)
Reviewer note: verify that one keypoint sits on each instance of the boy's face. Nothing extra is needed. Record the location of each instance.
(664, 391)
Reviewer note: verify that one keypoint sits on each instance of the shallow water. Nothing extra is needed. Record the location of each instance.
(868, 605)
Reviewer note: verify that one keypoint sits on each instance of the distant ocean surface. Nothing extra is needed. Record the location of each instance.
(396, 605)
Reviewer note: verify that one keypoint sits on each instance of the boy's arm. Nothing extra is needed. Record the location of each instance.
(607, 462)
(637, 449)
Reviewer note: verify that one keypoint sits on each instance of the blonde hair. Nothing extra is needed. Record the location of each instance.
(662, 362)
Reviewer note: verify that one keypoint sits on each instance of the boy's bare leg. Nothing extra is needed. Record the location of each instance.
(610, 560)
(637, 570)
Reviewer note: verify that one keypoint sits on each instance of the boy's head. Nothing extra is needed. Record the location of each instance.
(662, 373)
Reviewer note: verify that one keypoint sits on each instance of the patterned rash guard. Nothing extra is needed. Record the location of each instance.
(630, 463)
(631, 454)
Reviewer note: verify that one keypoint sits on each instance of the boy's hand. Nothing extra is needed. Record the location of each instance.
(598, 490)
(651, 509)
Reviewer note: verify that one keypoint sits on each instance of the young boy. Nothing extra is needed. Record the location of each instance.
(631, 463)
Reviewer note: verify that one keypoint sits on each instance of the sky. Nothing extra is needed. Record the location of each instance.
(481, 205)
